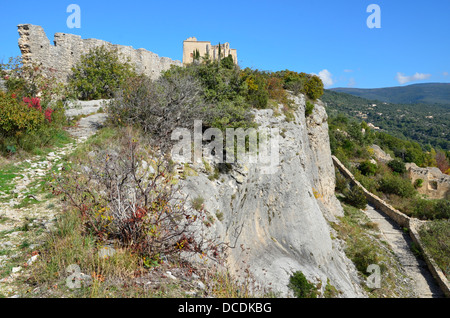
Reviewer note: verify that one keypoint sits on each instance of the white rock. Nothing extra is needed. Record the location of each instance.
(16, 269)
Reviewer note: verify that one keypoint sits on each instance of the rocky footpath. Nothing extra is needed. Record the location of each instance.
(26, 212)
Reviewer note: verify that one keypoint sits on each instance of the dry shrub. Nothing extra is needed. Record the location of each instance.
(129, 193)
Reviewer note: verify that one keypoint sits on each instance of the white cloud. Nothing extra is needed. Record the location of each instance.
(326, 77)
(445, 73)
(348, 71)
(402, 79)
(351, 82)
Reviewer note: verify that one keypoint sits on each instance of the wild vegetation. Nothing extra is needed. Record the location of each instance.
(122, 215)
(31, 113)
(350, 142)
(426, 124)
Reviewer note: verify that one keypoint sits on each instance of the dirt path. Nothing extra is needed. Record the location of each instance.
(425, 285)
(27, 214)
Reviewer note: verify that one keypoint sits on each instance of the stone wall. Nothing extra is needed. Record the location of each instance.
(413, 225)
(68, 48)
(436, 185)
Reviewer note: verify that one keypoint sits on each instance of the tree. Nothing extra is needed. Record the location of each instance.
(99, 73)
(314, 87)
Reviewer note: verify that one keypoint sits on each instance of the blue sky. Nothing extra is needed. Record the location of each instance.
(325, 37)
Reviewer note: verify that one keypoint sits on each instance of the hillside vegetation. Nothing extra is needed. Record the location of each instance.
(427, 124)
(428, 93)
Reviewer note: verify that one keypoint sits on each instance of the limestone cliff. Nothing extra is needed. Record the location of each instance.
(278, 222)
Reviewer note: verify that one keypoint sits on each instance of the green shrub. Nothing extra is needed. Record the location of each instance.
(301, 287)
(314, 87)
(17, 117)
(309, 108)
(368, 168)
(397, 166)
(396, 185)
(98, 74)
(436, 240)
(418, 183)
(430, 209)
(356, 197)
(26, 125)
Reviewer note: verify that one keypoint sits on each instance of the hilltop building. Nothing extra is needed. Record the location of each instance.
(204, 48)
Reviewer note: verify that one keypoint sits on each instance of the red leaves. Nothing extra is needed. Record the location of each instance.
(48, 114)
(35, 102)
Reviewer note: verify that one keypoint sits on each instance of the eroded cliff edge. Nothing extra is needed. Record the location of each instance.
(278, 222)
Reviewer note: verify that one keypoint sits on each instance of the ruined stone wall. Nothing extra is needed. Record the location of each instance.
(68, 48)
(436, 185)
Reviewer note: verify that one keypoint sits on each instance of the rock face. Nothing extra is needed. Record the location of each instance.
(68, 48)
(436, 185)
(380, 155)
(278, 222)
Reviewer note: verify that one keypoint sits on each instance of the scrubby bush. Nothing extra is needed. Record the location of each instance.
(301, 287)
(257, 94)
(397, 166)
(309, 108)
(436, 240)
(27, 81)
(314, 87)
(356, 197)
(128, 193)
(430, 209)
(396, 185)
(25, 124)
(368, 168)
(98, 74)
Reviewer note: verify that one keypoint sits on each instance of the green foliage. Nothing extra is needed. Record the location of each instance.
(257, 93)
(397, 166)
(26, 125)
(310, 85)
(368, 168)
(197, 203)
(355, 197)
(301, 287)
(436, 240)
(394, 184)
(98, 74)
(402, 121)
(228, 62)
(430, 209)
(418, 183)
(309, 108)
(314, 87)
(17, 117)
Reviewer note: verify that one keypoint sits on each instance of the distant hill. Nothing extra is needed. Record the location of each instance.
(423, 122)
(428, 93)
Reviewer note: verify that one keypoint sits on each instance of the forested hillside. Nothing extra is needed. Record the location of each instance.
(428, 124)
(428, 93)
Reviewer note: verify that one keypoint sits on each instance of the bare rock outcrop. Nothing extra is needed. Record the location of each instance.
(278, 222)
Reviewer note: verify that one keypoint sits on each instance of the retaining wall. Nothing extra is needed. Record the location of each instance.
(413, 225)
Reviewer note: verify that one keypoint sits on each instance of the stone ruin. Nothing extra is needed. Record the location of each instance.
(67, 50)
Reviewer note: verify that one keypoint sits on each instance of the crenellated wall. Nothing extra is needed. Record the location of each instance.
(67, 49)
